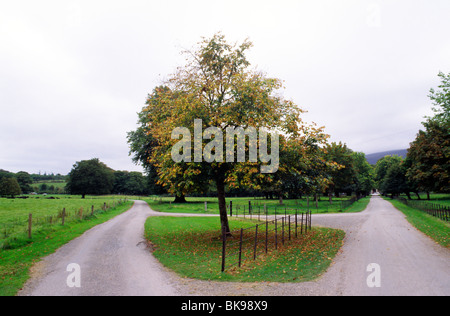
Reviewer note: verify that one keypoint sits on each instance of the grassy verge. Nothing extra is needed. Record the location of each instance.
(196, 205)
(192, 248)
(46, 211)
(358, 206)
(16, 263)
(431, 226)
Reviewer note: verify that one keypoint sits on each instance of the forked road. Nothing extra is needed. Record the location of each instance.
(114, 260)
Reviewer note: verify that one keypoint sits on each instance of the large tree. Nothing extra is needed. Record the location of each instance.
(441, 101)
(429, 154)
(430, 158)
(90, 177)
(218, 90)
(342, 179)
(365, 181)
(142, 142)
(9, 187)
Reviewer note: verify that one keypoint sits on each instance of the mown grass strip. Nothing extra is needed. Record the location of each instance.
(192, 248)
(15, 264)
(431, 226)
(196, 205)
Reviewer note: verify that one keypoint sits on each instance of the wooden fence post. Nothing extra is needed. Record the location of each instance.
(310, 220)
(276, 235)
(240, 247)
(289, 218)
(30, 222)
(267, 235)
(301, 226)
(256, 242)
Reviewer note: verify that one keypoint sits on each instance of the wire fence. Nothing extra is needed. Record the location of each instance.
(248, 243)
(258, 209)
(437, 210)
(22, 228)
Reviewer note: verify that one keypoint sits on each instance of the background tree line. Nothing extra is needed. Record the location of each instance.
(427, 164)
(87, 177)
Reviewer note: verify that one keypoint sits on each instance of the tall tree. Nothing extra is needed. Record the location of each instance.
(395, 181)
(9, 187)
(429, 154)
(141, 143)
(90, 177)
(365, 181)
(342, 179)
(430, 158)
(218, 89)
(441, 101)
(25, 181)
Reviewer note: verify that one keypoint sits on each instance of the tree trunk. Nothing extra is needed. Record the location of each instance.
(180, 199)
(220, 182)
(83, 196)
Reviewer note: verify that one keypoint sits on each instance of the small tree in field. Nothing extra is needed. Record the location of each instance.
(9, 187)
(90, 177)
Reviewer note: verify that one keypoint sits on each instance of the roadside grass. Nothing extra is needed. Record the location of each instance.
(192, 247)
(15, 264)
(196, 205)
(431, 226)
(18, 209)
(438, 198)
(46, 211)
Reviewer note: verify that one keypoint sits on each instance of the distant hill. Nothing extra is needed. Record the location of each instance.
(373, 158)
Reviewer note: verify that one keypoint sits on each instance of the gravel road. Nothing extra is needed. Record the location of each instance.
(114, 261)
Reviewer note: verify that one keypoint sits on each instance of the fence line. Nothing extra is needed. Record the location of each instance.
(259, 209)
(437, 210)
(20, 226)
(262, 237)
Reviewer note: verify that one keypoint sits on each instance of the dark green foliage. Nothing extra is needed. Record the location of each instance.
(90, 177)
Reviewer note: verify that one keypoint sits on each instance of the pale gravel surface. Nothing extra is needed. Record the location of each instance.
(114, 261)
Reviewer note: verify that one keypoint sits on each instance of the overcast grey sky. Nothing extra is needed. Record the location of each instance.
(73, 74)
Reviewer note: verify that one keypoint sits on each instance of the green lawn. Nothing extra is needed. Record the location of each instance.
(192, 248)
(431, 226)
(45, 210)
(438, 198)
(197, 205)
(22, 252)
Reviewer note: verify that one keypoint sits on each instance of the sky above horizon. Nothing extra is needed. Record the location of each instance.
(74, 74)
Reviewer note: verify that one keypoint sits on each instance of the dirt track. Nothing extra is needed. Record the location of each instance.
(114, 260)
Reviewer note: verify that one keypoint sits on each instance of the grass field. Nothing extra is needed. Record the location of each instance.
(22, 253)
(39, 205)
(431, 226)
(45, 210)
(192, 248)
(197, 205)
(438, 198)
